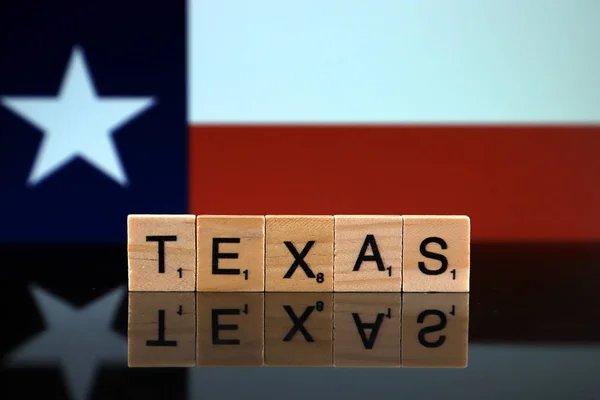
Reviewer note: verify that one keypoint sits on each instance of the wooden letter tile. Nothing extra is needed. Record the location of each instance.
(161, 330)
(299, 253)
(435, 330)
(162, 252)
(231, 253)
(436, 254)
(368, 253)
(298, 329)
(367, 329)
(230, 329)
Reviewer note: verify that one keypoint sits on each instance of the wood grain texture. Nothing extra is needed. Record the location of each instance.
(179, 272)
(368, 253)
(299, 232)
(245, 272)
(435, 330)
(441, 246)
(311, 344)
(167, 316)
(230, 329)
(367, 329)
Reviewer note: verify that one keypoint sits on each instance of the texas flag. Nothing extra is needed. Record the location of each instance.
(478, 107)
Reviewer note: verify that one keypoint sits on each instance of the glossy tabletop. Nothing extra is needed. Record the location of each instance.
(529, 328)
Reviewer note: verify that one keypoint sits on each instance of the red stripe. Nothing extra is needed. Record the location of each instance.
(516, 183)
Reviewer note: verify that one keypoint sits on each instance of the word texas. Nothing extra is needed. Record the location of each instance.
(299, 253)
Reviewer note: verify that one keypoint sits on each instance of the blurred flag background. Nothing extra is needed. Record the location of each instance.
(477, 107)
(480, 107)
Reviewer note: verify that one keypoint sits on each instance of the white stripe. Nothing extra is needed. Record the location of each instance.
(382, 61)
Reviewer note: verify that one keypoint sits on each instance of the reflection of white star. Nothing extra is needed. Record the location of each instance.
(77, 123)
(77, 339)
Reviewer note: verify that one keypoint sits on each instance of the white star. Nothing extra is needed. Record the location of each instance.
(76, 339)
(77, 123)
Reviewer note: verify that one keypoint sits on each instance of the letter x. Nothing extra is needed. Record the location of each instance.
(298, 323)
(299, 260)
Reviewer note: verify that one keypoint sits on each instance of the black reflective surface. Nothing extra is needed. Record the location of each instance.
(529, 328)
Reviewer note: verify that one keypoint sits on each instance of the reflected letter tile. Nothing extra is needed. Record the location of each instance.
(161, 330)
(298, 329)
(299, 253)
(435, 330)
(230, 329)
(367, 329)
(161, 253)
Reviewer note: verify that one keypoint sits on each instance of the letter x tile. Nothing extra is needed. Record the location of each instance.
(299, 253)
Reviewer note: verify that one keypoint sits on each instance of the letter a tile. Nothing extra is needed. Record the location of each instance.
(162, 253)
(231, 252)
(299, 253)
(368, 253)
(436, 253)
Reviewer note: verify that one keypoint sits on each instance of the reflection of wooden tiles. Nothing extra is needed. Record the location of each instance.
(299, 253)
(161, 329)
(435, 330)
(230, 329)
(367, 329)
(299, 329)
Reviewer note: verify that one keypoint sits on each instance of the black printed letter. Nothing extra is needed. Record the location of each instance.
(161, 249)
(430, 329)
(161, 342)
(298, 323)
(370, 341)
(216, 327)
(435, 256)
(216, 256)
(362, 257)
(299, 259)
